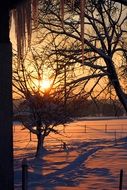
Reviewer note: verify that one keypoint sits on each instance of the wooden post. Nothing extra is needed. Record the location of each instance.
(121, 179)
(6, 125)
(6, 119)
(24, 174)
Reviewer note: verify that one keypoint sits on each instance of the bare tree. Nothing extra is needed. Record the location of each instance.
(42, 109)
(104, 31)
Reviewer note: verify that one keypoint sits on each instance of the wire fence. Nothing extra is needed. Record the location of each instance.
(82, 131)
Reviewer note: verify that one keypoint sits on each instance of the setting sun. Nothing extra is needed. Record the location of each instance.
(45, 84)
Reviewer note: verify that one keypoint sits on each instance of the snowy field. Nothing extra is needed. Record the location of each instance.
(95, 152)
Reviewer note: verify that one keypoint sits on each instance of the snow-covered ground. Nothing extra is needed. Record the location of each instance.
(91, 158)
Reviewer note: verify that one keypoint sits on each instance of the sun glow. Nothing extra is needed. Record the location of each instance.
(45, 84)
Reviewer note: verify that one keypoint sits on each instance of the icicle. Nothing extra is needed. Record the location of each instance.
(20, 29)
(62, 11)
(22, 18)
(35, 11)
(82, 6)
(62, 4)
(72, 5)
(28, 21)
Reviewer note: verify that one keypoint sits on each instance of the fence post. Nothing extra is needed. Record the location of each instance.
(121, 179)
(24, 174)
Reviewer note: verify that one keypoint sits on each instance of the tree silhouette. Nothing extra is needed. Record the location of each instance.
(103, 35)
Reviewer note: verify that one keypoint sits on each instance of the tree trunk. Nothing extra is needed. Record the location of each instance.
(6, 137)
(40, 144)
(116, 84)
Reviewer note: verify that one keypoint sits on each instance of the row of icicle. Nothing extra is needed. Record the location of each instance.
(22, 16)
(23, 22)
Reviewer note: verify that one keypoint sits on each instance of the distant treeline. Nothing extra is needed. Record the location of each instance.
(82, 107)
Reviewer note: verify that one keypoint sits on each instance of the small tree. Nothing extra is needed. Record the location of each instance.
(45, 113)
(45, 108)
